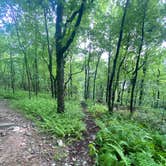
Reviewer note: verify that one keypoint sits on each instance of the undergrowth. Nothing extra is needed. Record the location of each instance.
(125, 142)
(42, 111)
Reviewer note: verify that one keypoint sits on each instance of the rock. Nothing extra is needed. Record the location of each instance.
(60, 143)
(28, 134)
(6, 125)
(2, 133)
(93, 137)
(84, 163)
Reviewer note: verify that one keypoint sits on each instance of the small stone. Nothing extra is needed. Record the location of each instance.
(2, 133)
(93, 137)
(28, 134)
(84, 163)
(24, 126)
(60, 143)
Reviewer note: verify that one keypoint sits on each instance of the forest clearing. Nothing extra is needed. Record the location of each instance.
(83, 83)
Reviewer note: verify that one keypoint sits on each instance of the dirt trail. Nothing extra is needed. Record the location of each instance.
(20, 143)
(79, 151)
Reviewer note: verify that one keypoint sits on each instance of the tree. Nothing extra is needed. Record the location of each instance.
(110, 95)
(61, 48)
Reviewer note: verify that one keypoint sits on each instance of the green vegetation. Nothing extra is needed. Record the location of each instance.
(41, 111)
(123, 141)
(109, 53)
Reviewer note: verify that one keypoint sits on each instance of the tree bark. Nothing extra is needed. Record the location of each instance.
(108, 76)
(53, 91)
(158, 91)
(36, 62)
(87, 75)
(110, 104)
(61, 48)
(122, 92)
(59, 59)
(135, 74)
(95, 75)
(118, 72)
(141, 94)
(12, 73)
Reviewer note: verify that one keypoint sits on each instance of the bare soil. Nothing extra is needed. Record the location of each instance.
(21, 144)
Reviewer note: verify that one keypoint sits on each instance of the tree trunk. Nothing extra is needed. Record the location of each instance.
(12, 73)
(59, 60)
(134, 80)
(142, 81)
(71, 79)
(23, 49)
(53, 91)
(158, 91)
(36, 62)
(118, 73)
(61, 48)
(110, 95)
(122, 92)
(87, 76)
(95, 75)
(28, 75)
(108, 75)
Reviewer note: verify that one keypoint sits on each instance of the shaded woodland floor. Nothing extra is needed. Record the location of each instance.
(22, 144)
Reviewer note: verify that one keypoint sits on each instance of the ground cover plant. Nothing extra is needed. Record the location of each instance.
(86, 72)
(123, 141)
(41, 110)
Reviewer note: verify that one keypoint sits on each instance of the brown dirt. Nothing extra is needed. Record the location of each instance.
(21, 144)
(79, 150)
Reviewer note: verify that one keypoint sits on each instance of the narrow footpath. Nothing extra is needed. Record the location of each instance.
(79, 151)
(21, 144)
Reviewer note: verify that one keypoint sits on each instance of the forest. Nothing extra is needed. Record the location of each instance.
(89, 79)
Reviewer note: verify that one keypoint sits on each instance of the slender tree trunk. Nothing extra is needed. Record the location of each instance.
(95, 75)
(142, 81)
(85, 80)
(52, 79)
(28, 75)
(110, 104)
(158, 91)
(118, 73)
(135, 74)
(36, 63)
(71, 79)
(12, 73)
(23, 49)
(121, 97)
(23, 77)
(128, 93)
(108, 75)
(87, 76)
(36, 75)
